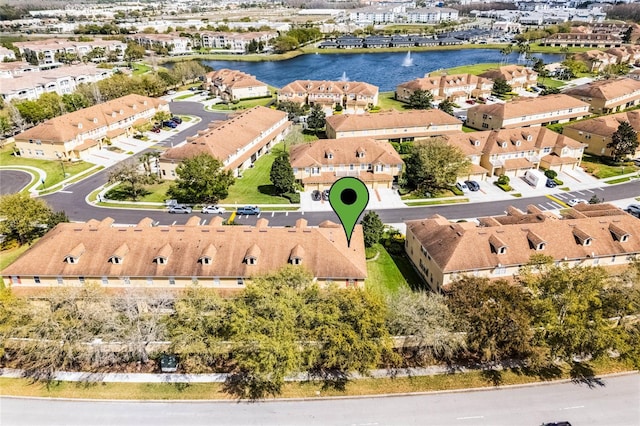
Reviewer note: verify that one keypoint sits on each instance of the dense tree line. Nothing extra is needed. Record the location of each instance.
(283, 324)
(624, 12)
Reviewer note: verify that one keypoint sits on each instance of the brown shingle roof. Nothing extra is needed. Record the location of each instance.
(325, 250)
(431, 83)
(390, 120)
(344, 152)
(607, 125)
(531, 106)
(605, 89)
(330, 87)
(509, 72)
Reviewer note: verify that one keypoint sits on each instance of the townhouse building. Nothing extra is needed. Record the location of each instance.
(45, 51)
(174, 43)
(237, 142)
(234, 42)
(598, 61)
(517, 76)
(497, 247)
(393, 126)
(607, 96)
(317, 165)
(64, 80)
(375, 15)
(232, 85)
(7, 54)
(16, 69)
(596, 133)
(353, 96)
(626, 54)
(74, 135)
(431, 15)
(599, 41)
(514, 151)
(456, 88)
(178, 256)
(538, 111)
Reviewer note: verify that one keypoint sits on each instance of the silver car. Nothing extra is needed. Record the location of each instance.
(213, 210)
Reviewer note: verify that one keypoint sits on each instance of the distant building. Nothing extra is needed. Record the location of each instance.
(607, 96)
(517, 76)
(237, 142)
(597, 60)
(590, 235)
(232, 85)
(45, 51)
(457, 87)
(538, 111)
(596, 132)
(317, 165)
(174, 43)
(235, 42)
(7, 54)
(71, 136)
(178, 256)
(353, 96)
(392, 126)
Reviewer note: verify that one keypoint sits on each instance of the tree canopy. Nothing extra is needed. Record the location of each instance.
(317, 118)
(26, 218)
(201, 179)
(421, 99)
(624, 141)
(447, 106)
(282, 174)
(501, 87)
(373, 228)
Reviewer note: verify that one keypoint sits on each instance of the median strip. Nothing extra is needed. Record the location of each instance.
(557, 200)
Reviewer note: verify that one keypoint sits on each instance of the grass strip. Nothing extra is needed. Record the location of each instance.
(436, 202)
(619, 180)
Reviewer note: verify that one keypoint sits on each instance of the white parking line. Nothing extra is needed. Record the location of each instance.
(574, 407)
(561, 196)
(556, 205)
(543, 207)
(581, 193)
(588, 190)
(204, 222)
(286, 213)
(469, 417)
(273, 213)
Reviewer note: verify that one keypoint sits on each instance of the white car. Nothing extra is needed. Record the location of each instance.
(462, 187)
(213, 210)
(576, 201)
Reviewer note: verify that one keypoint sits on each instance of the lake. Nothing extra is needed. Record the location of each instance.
(385, 70)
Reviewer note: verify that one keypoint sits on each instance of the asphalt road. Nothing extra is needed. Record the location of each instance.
(612, 402)
(12, 181)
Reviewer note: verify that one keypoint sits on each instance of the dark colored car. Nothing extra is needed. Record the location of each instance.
(180, 208)
(176, 119)
(316, 195)
(472, 185)
(249, 210)
(155, 129)
(170, 123)
(551, 183)
(325, 195)
(557, 424)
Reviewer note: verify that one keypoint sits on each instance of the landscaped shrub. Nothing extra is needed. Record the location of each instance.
(551, 174)
(293, 197)
(456, 190)
(558, 181)
(503, 180)
(504, 186)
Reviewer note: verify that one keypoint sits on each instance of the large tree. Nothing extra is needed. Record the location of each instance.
(373, 228)
(501, 87)
(282, 174)
(293, 109)
(128, 172)
(496, 317)
(421, 99)
(317, 118)
(201, 179)
(24, 218)
(624, 141)
(434, 165)
(447, 106)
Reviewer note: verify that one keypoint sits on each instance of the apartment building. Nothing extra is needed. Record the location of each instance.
(353, 96)
(431, 15)
(317, 165)
(233, 85)
(599, 41)
(64, 80)
(174, 43)
(16, 69)
(538, 111)
(627, 54)
(597, 60)
(517, 76)
(607, 96)
(497, 247)
(514, 151)
(178, 256)
(596, 133)
(234, 42)
(456, 88)
(393, 126)
(44, 51)
(71, 136)
(237, 142)
(7, 54)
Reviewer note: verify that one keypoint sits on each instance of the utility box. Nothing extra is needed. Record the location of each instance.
(535, 178)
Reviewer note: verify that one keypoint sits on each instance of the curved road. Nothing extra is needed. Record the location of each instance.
(13, 181)
(72, 200)
(612, 401)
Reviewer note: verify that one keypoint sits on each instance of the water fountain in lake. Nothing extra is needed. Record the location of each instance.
(408, 60)
(522, 58)
(344, 76)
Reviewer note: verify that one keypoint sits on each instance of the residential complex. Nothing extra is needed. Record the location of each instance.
(514, 151)
(177, 256)
(237, 142)
(597, 60)
(517, 76)
(538, 111)
(596, 133)
(232, 85)
(234, 42)
(582, 40)
(392, 126)
(63, 80)
(46, 51)
(398, 14)
(353, 96)
(499, 246)
(607, 96)
(456, 88)
(174, 43)
(317, 165)
(71, 136)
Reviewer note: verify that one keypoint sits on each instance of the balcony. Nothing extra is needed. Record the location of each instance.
(347, 173)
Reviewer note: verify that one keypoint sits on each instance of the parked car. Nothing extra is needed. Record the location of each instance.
(557, 424)
(316, 195)
(176, 119)
(171, 92)
(249, 210)
(576, 201)
(194, 88)
(325, 195)
(634, 209)
(470, 101)
(155, 129)
(636, 161)
(462, 186)
(551, 183)
(213, 210)
(472, 185)
(170, 123)
(180, 208)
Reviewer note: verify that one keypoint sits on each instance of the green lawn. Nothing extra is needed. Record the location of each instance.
(140, 68)
(386, 101)
(246, 104)
(474, 69)
(436, 202)
(186, 96)
(9, 255)
(255, 185)
(384, 276)
(550, 82)
(53, 169)
(595, 165)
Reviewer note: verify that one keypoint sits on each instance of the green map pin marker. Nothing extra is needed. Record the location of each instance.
(348, 197)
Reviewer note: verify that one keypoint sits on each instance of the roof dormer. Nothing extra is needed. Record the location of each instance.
(74, 254)
(79, 125)
(497, 245)
(618, 233)
(475, 142)
(503, 144)
(328, 154)
(163, 254)
(95, 120)
(113, 114)
(297, 255)
(536, 242)
(582, 237)
(118, 255)
(252, 254)
(207, 255)
(360, 152)
(121, 111)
